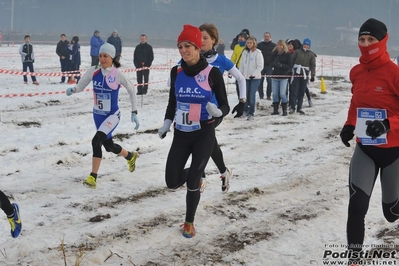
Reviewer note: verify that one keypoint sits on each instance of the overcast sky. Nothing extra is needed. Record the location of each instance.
(163, 19)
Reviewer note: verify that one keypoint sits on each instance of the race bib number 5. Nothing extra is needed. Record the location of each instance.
(188, 116)
(102, 103)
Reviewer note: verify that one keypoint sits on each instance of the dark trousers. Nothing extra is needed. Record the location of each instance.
(5, 204)
(199, 144)
(298, 91)
(25, 66)
(267, 70)
(142, 88)
(94, 60)
(64, 67)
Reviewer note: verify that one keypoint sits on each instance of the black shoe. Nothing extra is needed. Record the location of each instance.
(62, 81)
(301, 112)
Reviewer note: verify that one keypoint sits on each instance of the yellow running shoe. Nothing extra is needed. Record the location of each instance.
(132, 162)
(90, 182)
(188, 230)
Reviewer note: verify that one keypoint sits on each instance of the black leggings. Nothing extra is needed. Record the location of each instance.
(5, 204)
(100, 139)
(366, 162)
(199, 144)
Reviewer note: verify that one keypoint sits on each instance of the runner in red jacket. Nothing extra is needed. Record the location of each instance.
(373, 117)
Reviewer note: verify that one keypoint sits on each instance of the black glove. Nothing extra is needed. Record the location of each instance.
(347, 134)
(251, 77)
(239, 108)
(377, 128)
(230, 76)
(278, 65)
(312, 79)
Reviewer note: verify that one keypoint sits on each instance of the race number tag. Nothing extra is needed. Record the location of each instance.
(183, 115)
(366, 116)
(102, 103)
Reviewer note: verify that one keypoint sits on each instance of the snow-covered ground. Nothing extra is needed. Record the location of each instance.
(286, 206)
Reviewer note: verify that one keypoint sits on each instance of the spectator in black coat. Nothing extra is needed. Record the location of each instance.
(63, 54)
(142, 58)
(116, 41)
(266, 47)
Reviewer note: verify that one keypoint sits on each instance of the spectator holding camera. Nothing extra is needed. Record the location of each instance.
(375, 87)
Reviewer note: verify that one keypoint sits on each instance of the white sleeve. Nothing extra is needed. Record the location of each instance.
(125, 82)
(242, 84)
(85, 79)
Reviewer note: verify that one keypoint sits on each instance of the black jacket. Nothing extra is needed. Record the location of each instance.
(282, 64)
(61, 49)
(117, 42)
(266, 48)
(143, 54)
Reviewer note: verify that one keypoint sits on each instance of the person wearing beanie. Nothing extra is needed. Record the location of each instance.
(116, 41)
(244, 33)
(197, 97)
(304, 69)
(142, 59)
(237, 53)
(95, 44)
(107, 80)
(373, 116)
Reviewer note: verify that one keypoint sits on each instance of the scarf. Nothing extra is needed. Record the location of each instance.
(374, 55)
(209, 53)
(195, 69)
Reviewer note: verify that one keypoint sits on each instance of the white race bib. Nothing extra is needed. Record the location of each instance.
(102, 103)
(364, 117)
(182, 118)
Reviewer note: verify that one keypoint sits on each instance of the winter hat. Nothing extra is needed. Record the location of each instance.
(191, 34)
(246, 31)
(96, 31)
(374, 28)
(307, 41)
(108, 49)
(243, 34)
(115, 31)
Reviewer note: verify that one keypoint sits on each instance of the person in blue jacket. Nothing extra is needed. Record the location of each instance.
(95, 44)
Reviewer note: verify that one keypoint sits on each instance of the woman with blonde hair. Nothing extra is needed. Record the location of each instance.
(251, 65)
(282, 64)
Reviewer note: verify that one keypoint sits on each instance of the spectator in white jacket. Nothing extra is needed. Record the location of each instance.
(251, 66)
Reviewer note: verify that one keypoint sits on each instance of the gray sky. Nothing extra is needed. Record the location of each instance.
(162, 20)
